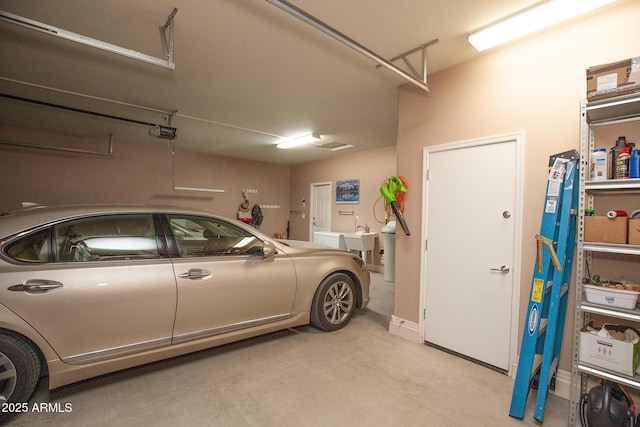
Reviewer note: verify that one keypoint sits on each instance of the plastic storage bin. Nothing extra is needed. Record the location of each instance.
(613, 297)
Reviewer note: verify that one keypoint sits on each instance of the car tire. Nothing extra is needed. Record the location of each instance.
(333, 303)
(19, 369)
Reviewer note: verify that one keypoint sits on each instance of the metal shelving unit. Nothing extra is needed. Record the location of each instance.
(610, 111)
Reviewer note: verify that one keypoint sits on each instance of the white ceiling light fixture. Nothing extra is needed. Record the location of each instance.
(531, 20)
(301, 140)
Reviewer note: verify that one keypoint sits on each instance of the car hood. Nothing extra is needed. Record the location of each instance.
(304, 246)
(301, 244)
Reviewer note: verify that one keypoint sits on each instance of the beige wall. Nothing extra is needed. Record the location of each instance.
(136, 173)
(534, 86)
(371, 167)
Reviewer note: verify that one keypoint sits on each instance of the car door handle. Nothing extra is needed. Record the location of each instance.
(503, 269)
(195, 274)
(36, 287)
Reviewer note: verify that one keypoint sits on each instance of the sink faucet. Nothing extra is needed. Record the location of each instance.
(364, 227)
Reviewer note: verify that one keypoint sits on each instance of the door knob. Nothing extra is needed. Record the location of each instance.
(506, 214)
(503, 269)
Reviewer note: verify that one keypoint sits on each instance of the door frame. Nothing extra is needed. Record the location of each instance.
(312, 204)
(518, 137)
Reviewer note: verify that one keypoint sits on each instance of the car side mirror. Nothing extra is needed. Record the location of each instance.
(268, 250)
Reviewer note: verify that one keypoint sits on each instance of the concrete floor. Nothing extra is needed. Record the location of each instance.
(359, 376)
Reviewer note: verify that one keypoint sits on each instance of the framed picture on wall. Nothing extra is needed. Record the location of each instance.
(348, 191)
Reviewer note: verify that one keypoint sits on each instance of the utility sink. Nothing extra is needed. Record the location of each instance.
(360, 241)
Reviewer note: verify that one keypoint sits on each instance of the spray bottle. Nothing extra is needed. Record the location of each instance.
(634, 164)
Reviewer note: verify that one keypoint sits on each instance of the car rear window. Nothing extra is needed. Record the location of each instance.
(103, 238)
(35, 247)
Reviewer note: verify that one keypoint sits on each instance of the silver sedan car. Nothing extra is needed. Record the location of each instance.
(88, 290)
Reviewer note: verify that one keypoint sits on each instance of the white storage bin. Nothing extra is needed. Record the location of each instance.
(613, 297)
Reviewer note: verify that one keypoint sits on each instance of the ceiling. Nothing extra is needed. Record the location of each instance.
(247, 74)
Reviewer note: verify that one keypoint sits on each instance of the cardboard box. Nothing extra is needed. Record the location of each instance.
(634, 232)
(617, 78)
(605, 230)
(608, 353)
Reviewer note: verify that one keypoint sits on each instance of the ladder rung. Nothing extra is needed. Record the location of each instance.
(537, 361)
(552, 369)
(543, 326)
(564, 290)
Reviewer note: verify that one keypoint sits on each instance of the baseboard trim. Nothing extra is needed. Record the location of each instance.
(563, 384)
(405, 329)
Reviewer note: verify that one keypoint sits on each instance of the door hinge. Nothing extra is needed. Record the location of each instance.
(426, 244)
(424, 313)
(427, 177)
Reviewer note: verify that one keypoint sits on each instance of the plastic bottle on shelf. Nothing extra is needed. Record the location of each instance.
(599, 164)
(616, 214)
(622, 163)
(634, 164)
(615, 151)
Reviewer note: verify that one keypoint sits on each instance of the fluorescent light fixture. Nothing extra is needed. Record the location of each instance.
(301, 140)
(532, 20)
(208, 190)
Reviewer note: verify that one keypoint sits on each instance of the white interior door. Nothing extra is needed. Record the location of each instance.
(471, 213)
(320, 208)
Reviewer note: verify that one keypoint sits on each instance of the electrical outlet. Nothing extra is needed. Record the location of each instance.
(357, 217)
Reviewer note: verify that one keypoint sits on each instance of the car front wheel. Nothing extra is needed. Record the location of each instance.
(334, 302)
(19, 369)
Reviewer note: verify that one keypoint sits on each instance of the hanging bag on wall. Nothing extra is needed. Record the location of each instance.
(244, 214)
(256, 214)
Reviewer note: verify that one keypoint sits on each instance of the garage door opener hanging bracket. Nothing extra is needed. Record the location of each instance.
(166, 40)
(422, 74)
(418, 79)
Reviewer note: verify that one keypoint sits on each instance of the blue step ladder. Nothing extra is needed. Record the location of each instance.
(542, 335)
